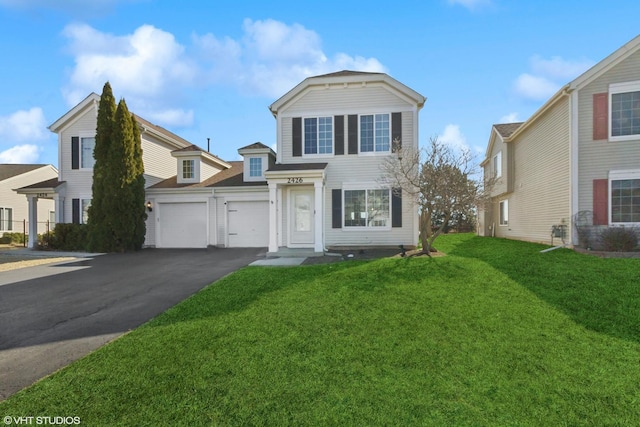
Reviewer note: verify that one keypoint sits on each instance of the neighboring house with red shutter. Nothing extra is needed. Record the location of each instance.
(576, 159)
(322, 189)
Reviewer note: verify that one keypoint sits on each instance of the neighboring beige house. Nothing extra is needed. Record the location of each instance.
(14, 207)
(576, 159)
(322, 189)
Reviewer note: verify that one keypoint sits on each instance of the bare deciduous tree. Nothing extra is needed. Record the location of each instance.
(439, 180)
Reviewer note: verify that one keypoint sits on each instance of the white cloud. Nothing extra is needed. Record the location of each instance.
(471, 4)
(156, 73)
(510, 118)
(272, 57)
(27, 153)
(453, 137)
(24, 125)
(547, 76)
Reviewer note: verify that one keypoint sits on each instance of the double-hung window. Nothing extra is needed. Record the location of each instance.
(625, 197)
(6, 219)
(367, 208)
(86, 152)
(85, 210)
(318, 135)
(375, 133)
(504, 212)
(625, 110)
(497, 165)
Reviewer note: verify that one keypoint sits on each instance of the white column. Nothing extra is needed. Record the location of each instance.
(319, 215)
(59, 208)
(33, 221)
(273, 218)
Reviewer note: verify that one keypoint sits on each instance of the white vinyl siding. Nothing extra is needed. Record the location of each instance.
(597, 158)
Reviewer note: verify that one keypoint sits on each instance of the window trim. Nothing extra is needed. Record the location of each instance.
(616, 89)
(304, 136)
(497, 161)
(620, 175)
(503, 222)
(366, 188)
(374, 152)
(81, 165)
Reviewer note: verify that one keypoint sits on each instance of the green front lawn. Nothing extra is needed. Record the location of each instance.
(495, 333)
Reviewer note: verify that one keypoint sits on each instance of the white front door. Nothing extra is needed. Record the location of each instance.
(301, 214)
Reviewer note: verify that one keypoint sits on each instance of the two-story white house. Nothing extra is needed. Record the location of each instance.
(575, 160)
(322, 189)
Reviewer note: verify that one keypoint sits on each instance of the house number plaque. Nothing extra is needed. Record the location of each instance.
(294, 180)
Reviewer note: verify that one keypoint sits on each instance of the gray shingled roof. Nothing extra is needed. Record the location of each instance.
(345, 73)
(507, 129)
(10, 170)
(297, 167)
(50, 183)
(254, 146)
(232, 177)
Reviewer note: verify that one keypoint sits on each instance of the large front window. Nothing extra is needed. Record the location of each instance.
(86, 152)
(318, 135)
(366, 208)
(625, 201)
(375, 133)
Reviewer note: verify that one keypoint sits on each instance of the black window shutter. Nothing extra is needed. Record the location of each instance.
(396, 207)
(353, 133)
(396, 131)
(336, 208)
(338, 123)
(75, 211)
(297, 136)
(75, 152)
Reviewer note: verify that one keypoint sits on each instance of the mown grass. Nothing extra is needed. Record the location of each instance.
(493, 334)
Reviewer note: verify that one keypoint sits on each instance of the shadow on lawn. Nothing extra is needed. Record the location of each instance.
(600, 294)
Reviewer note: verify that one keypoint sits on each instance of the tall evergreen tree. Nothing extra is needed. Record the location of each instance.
(125, 159)
(100, 236)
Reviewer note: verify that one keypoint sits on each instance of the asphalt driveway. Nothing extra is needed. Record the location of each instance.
(53, 315)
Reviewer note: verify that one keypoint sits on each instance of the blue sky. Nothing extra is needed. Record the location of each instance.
(203, 70)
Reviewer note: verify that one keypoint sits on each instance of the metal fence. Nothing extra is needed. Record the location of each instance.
(17, 232)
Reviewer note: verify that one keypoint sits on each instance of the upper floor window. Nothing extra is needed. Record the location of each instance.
(86, 152)
(188, 169)
(318, 135)
(255, 166)
(624, 99)
(375, 133)
(497, 165)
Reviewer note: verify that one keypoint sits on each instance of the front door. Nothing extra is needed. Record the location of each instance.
(301, 214)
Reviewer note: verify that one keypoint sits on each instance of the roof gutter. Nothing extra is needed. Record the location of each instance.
(564, 91)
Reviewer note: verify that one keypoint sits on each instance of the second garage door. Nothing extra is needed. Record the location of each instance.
(248, 224)
(183, 225)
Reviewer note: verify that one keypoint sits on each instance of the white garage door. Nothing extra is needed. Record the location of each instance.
(183, 225)
(248, 224)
